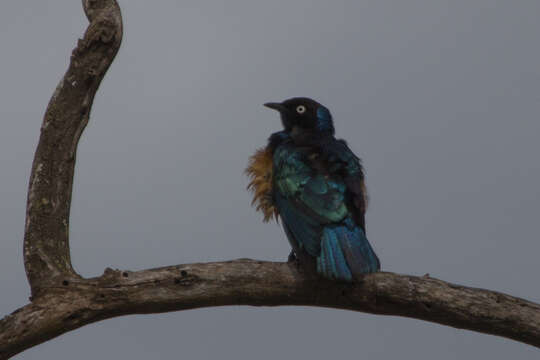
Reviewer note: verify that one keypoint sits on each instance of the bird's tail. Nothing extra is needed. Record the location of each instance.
(346, 253)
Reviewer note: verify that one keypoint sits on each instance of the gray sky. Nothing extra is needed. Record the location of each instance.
(440, 98)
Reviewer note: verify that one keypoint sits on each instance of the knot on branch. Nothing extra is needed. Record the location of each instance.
(186, 278)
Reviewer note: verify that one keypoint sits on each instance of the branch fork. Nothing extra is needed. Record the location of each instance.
(62, 300)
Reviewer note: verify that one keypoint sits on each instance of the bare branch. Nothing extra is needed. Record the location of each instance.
(63, 301)
(46, 242)
(259, 283)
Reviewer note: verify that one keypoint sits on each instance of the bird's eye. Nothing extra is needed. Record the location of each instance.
(300, 109)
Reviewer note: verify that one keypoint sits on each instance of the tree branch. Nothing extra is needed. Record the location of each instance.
(46, 240)
(62, 300)
(259, 283)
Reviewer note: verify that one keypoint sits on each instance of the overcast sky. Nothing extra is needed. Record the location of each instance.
(440, 98)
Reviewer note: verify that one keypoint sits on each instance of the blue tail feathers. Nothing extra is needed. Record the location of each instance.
(345, 253)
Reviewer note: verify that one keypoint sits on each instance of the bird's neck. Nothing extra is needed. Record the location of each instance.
(277, 139)
(310, 138)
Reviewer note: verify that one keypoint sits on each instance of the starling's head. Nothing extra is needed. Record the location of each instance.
(303, 114)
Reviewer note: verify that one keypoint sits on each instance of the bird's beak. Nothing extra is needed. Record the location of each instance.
(276, 106)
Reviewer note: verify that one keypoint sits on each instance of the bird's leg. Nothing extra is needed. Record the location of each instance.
(303, 263)
(292, 258)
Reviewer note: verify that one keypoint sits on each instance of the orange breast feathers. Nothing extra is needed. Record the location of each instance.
(259, 172)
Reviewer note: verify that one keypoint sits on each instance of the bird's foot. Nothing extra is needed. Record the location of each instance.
(293, 259)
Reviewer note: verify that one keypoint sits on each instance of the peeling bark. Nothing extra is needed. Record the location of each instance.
(62, 300)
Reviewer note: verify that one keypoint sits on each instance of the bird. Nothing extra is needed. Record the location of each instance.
(314, 184)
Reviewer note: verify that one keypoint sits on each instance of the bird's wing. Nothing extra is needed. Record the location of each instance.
(354, 246)
(343, 161)
(307, 201)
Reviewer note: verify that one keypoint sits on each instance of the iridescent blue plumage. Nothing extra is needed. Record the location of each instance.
(314, 209)
(318, 191)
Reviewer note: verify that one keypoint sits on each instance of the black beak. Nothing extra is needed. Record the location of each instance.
(276, 106)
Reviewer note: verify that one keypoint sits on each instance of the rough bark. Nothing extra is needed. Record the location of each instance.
(258, 283)
(46, 240)
(62, 300)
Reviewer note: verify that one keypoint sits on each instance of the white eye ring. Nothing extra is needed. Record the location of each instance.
(300, 109)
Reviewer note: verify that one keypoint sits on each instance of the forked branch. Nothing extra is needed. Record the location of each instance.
(62, 300)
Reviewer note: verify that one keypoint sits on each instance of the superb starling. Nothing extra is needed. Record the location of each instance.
(315, 184)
